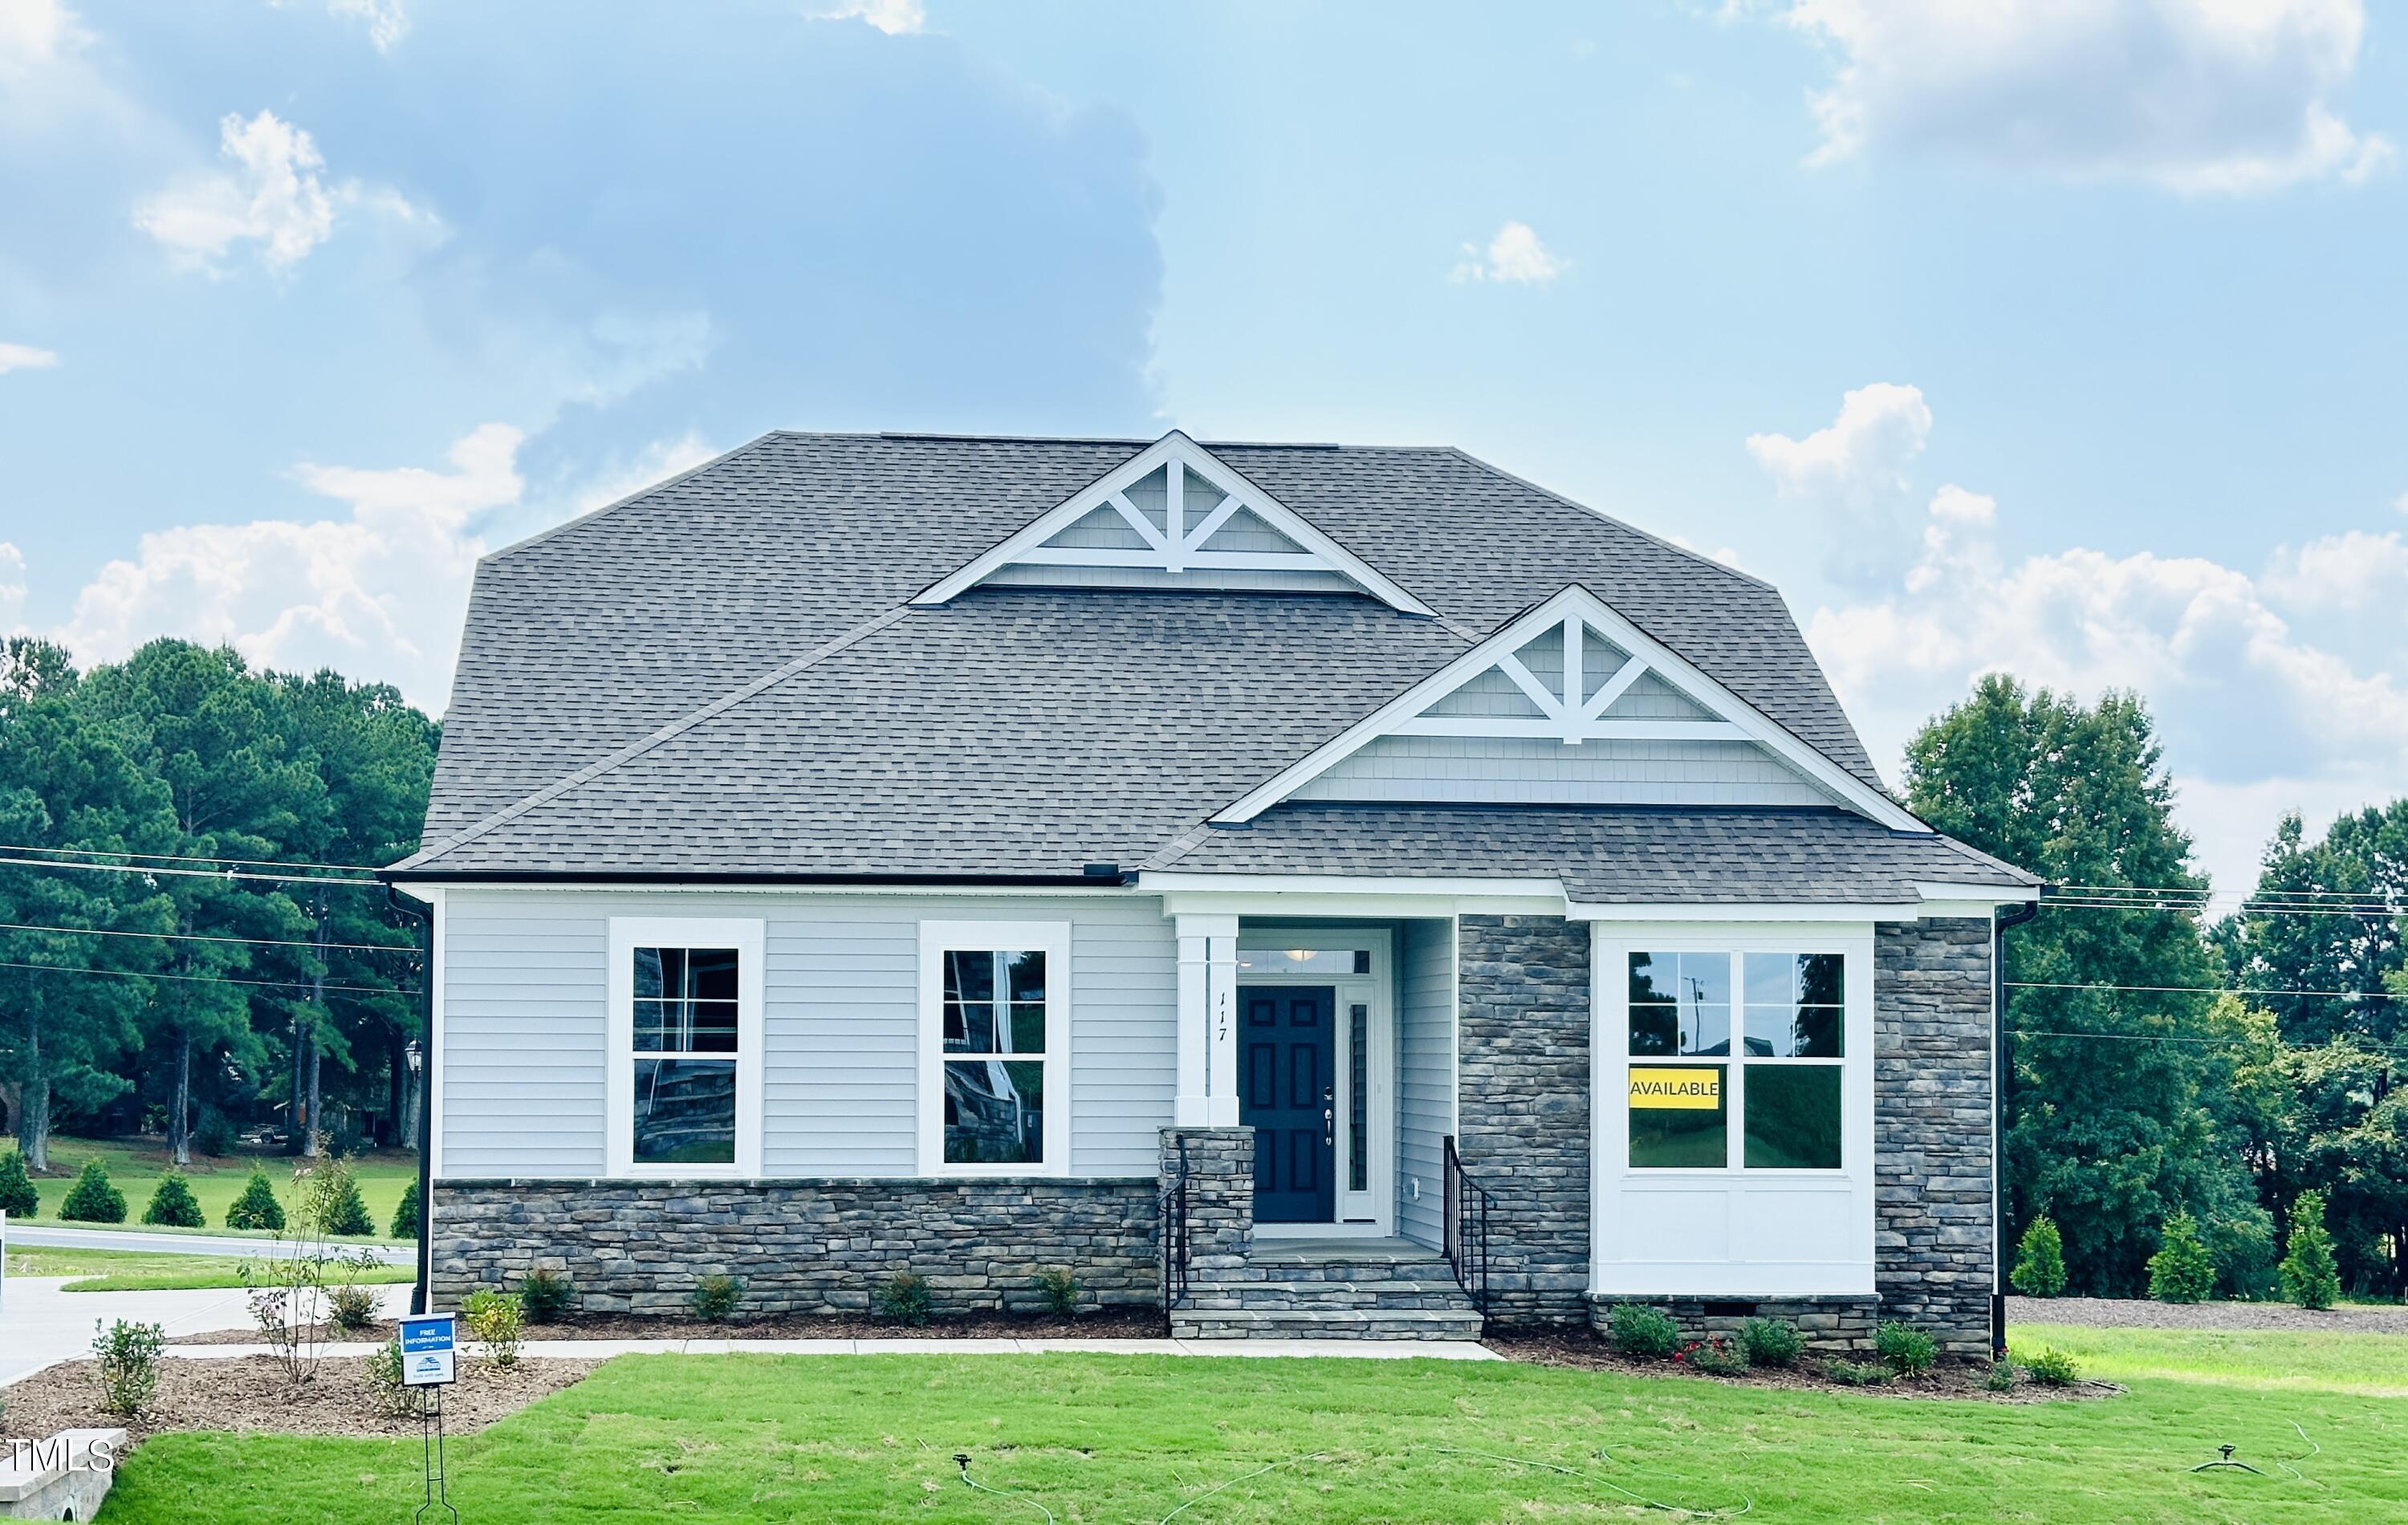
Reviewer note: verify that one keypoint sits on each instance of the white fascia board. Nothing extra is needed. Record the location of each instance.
(1985, 894)
(808, 888)
(1748, 723)
(1176, 447)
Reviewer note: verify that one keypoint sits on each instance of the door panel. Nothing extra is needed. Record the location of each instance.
(1290, 1063)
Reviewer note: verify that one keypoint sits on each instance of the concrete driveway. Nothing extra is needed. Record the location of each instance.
(40, 1325)
(25, 1236)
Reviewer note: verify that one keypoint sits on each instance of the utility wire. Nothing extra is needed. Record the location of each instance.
(217, 979)
(180, 858)
(198, 937)
(2192, 989)
(193, 873)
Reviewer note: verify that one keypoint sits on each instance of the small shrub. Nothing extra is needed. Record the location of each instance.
(126, 1359)
(1770, 1342)
(1856, 1373)
(2181, 1270)
(405, 1216)
(498, 1323)
(384, 1380)
(91, 1198)
(2040, 1260)
(545, 1294)
(346, 1214)
(172, 1206)
(352, 1306)
(904, 1297)
(217, 1136)
(1905, 1349)
(18, 1198)
(2052, 1368)
(258, 1206)
(1641, 1332)
(1061, 1289)
(715, 1298)
(1714, 1354)
(2310, 1278)
(2000, 1377)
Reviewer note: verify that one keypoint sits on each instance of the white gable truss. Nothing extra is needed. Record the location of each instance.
(1595, 661)
(1175, 509)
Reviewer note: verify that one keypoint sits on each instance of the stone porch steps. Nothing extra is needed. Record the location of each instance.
(1319, 1289)
(1325, 1323)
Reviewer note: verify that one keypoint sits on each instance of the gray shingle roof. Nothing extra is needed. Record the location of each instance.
(1606, 854)
(1016, 731)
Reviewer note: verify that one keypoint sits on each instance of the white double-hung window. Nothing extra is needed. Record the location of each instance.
(684, 1046)
(995, 1048)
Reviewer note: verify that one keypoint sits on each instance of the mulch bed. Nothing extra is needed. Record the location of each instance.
(255, 1393)
(1582, 1349)
(1100, 1324)
(2137, 1312)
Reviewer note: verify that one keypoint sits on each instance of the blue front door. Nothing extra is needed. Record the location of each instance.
(1289, 1058)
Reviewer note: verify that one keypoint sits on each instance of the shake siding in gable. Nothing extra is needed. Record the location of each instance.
(523, 1027)
(1521, 771)
(1425, 1083)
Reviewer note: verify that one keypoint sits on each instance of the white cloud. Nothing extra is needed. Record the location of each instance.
(661, 459)
(1854, 470)
(25, 357)
(1515, 254)
(275, 196)
(33, 32)
(2196, 95)
(2255, 718)
(378, 593)
(12, 588)
(386, 20)
(892, 17)
(2352, 572)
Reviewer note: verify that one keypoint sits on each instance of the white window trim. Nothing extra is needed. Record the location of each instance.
(1616, 1270)
(1051, 938)
(627, 934)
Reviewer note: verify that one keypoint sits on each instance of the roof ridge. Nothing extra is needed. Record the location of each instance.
(669, 732)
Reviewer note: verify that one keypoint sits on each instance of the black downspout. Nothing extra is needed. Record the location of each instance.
(2003, 1074)
(418, 1294)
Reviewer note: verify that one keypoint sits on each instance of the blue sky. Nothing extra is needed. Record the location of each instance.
(2061, 336)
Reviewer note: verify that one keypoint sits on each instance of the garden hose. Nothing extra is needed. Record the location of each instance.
(962, 1460)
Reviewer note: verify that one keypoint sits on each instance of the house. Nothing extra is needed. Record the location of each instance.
(1322, 890)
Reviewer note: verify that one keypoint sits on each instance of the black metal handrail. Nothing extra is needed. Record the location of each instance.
(1465, 1230)
(1170, 1212)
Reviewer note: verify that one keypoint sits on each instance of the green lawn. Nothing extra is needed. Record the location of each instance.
(135, 1168)
(2368, 1365)
(136, 1271)
(1107, 1439)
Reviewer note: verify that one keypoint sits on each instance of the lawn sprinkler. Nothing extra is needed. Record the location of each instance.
(2224, 1463)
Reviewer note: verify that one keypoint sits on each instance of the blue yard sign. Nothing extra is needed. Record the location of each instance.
(429, 1350)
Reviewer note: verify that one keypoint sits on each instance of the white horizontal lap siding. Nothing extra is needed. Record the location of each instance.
(1426, 1082)
(1544, 771)
(522, 1052)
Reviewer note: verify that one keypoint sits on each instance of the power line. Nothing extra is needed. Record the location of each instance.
(2212, 893)
(218, 979)
(193, 873)
(180, 858)
(2191, 990)
(2057, 904)
(199, 937)
(2183, 1038)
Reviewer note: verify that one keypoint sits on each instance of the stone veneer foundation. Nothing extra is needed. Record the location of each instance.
(799, 1247)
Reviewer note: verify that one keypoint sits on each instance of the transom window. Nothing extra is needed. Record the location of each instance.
(1775, 1102)
(994, 1077)
(685, 1045)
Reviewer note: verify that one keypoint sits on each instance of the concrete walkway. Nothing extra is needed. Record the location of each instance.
(40, 1325)
(30, 1236)
(598, 1349)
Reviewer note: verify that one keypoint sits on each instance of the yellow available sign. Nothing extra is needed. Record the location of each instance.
(1694, 1090)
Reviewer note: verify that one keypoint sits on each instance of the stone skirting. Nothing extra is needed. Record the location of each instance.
(1835, 1326)
(1523, 1107)
(1933, 1216)
(800, 1245)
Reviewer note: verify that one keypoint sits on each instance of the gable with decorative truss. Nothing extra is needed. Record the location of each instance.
(1174, 515)
(1570, 704)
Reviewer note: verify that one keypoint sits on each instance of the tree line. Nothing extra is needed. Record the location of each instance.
(211, 989)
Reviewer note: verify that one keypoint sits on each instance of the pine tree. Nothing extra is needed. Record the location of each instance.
(18, 1198)
(2310, 1275)
(347, 1211)
(405, 1217)
(2181, 1270)
(2040, 1260)
(91, 1198)
(172, 1206)
(257, 1208)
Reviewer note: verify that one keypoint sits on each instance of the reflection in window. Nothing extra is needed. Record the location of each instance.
(996, 1036)
(684, 1039)
(1785, 1085)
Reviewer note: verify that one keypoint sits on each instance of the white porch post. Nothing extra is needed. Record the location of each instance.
(1208, 1020)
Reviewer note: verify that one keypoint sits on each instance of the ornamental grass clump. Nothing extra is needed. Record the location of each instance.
(2181, 1270)
(257, 1208)
(1641, 1332)
(1905, 1349)
(172, 1206)
(91, 1198)
(1770, 1342)
(2040, 1260)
